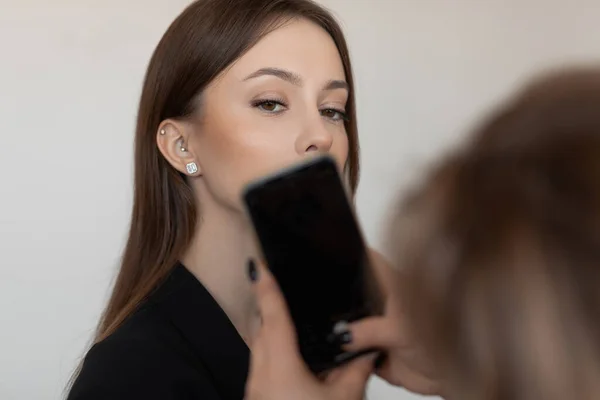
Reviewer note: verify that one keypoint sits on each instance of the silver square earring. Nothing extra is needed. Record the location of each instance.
(191, 168)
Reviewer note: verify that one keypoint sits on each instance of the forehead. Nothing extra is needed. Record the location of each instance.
(300, 46)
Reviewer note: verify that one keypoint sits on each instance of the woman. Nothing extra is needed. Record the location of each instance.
(234, 90)
(499, 251)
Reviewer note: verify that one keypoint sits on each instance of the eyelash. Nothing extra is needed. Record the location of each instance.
(343, 116)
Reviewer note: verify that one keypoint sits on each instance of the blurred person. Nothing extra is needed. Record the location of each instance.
(498, 265)
(234, 90)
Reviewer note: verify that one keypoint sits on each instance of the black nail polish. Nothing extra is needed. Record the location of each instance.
(252, 271)
(345, 337)
(340, 338)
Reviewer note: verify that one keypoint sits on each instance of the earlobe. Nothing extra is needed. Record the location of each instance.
(172, 142)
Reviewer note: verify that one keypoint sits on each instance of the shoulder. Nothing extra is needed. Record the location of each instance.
(138, 361)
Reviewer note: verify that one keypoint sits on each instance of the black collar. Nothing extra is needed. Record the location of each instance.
(211, 334)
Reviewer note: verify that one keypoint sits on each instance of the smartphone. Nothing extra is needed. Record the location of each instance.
(311, 241)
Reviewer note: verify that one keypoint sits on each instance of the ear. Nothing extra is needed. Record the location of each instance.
(173, 142)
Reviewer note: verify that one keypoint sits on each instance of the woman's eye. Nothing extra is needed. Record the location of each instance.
(270, 106)
(335, 115)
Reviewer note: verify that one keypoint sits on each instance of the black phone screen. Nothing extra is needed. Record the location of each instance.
(314, 248)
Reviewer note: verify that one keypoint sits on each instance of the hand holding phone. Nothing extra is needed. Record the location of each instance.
(277, 370)
(313, 246)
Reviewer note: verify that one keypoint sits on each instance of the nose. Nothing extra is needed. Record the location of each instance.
(314, 138)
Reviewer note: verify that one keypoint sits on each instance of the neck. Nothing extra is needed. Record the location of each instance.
(218, 256)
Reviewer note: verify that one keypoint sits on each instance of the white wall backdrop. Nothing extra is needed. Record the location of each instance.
(70, 75)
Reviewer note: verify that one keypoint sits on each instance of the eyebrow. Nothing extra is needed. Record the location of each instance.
(336, 84)
(295, 79)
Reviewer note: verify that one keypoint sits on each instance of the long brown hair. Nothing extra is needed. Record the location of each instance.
(201, 43)
(499, 249)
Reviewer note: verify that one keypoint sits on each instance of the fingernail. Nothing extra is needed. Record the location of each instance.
(345, 338)
(379, 361)
(252, 271)
(341, 338)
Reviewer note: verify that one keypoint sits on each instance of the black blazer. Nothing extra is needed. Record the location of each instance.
(179, 345)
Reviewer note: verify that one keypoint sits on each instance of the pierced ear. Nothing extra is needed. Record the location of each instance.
(172, 141)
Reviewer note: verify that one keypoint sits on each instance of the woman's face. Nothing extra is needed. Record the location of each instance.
(282, 101)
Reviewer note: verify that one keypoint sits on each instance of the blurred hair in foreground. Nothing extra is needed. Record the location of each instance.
(499, 249)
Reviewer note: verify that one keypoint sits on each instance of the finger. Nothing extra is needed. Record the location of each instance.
(277, 328)
(351, 379)
(374, 332)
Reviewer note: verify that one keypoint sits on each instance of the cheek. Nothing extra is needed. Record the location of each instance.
(233, 156)
(230, 141)
(340, 150)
